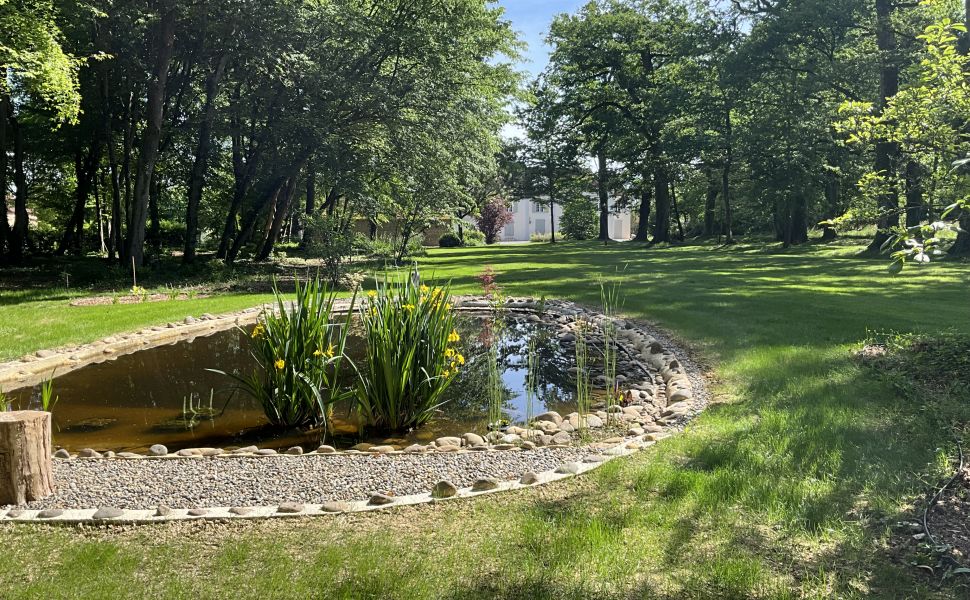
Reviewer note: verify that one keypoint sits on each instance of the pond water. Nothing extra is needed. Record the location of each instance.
(165, 395)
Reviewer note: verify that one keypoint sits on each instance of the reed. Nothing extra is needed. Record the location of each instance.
(583, 384)
(531, 379)
(612, 301)
(412, 353)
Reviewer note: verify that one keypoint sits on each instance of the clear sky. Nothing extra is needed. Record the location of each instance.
(531, 18)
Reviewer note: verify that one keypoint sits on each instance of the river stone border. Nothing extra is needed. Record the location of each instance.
(663, 401)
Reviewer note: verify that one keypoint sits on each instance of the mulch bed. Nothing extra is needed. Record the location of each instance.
(102, 300)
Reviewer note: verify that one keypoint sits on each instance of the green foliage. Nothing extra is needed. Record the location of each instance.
(937, 360)
(299, 349)
(412, 353)
(328, 237)
(474, 237)
(31, 49)
(579, 220)
(450, 240)
(48, 399)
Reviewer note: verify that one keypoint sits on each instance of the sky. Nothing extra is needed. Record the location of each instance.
(531, 19)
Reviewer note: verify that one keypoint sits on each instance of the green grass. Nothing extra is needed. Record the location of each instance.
(787, 488)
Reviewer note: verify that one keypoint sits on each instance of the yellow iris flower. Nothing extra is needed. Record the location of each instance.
(372, 294)
(453, 336)
(280, 364)
(424, 289)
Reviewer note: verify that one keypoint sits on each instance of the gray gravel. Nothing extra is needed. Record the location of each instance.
(144, 484)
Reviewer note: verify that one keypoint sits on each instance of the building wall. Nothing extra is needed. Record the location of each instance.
(529, 217)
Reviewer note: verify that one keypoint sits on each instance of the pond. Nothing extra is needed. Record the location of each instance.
(166, 395)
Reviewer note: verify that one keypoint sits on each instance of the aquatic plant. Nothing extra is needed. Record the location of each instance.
(412, 353)
(495, 389)
(612, 301)
(47, 396)
(6, 404)
(531, 378)
(583, 385)
(299, 351)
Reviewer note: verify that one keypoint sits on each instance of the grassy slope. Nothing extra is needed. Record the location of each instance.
(786, 490)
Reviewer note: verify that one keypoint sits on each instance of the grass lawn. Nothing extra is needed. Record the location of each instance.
(789, 487)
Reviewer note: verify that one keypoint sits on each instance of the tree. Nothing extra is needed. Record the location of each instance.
(495, 216)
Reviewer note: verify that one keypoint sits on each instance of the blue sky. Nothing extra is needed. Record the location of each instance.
(531, 18)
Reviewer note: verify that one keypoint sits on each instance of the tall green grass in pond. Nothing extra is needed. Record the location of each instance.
(412, 353)
(299, 350)
(612, 300)
(583, 385)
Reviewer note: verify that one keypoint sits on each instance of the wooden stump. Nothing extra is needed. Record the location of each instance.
(25, 456)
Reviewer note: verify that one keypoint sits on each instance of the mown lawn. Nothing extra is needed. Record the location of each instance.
(789, 487)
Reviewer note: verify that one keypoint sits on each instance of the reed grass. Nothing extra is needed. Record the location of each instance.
(583, 384)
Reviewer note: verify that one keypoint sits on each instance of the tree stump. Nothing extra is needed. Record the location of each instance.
(25, 456)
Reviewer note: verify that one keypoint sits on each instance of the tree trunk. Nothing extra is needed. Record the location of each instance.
(643, 221)
(914, 194)
(26, 473)
(155, 228)
(833, 204)
(4, 225)
(552, 220)
(887, 152)
(676, 211)
(282, 210)
(604, 196)
(85, 168)
(18, 236)
(248, 227)
(726, 178)
(710, 203)
(148, 155)
(99, 215)
(661, 188)
(200, 164)
(799, 221)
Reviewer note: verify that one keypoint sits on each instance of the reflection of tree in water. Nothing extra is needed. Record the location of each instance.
(467, 395)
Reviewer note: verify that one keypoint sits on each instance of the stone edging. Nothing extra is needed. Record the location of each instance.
(481, 487)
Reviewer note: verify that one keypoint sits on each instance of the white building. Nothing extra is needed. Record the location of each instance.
(530, 217)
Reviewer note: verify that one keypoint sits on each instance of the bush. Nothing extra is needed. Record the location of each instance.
(540, 237)
(299, 353)
(449, 240)
(411, 355)
(495, 216)
(326, 237)
(474, 237)
(579, 220)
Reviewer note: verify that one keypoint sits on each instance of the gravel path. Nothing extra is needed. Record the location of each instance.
(211, 482)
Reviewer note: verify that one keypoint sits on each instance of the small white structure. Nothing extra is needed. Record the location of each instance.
(530, 217)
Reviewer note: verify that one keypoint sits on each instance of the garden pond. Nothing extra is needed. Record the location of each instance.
(166, 394)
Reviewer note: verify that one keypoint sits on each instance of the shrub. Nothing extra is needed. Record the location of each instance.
(474, 237)
(540, 237)
(328, 238)
(495, 216)
(411, 354)
(299, 353)
(579, 220)
(449, 240)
